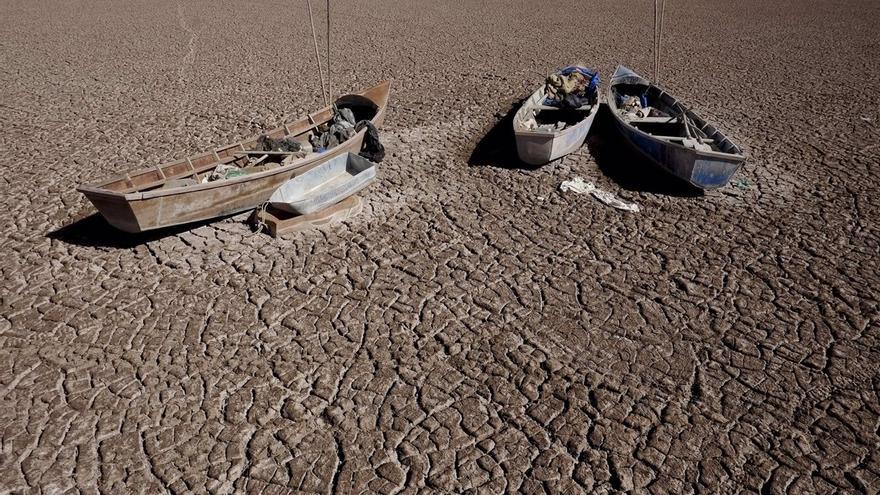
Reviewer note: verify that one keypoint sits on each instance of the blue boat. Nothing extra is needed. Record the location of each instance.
(669, 134)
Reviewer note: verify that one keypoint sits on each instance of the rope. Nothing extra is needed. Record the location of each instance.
(261, 210)
(317, 57)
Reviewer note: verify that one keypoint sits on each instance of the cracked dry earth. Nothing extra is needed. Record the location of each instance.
(472, 330)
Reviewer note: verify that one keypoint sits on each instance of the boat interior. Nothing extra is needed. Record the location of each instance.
(545, 114)
(553, 115)
(246, 155)
(537, 116)
(332, 175)
(667, 119)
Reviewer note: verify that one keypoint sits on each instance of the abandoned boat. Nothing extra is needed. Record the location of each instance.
(177, 192)
(669, 134)
(546, 132)
(324, 185)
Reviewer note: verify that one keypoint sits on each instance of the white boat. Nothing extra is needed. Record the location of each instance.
(546, 133)
(324, 185)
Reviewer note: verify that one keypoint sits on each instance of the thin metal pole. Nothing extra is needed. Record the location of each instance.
(656, 15)
(659, 8)
(317, 56)
(329, 78)
(660, 40)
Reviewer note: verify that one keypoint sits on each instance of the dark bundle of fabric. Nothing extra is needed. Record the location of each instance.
(266, 143)
(341, 129)
(371, 149)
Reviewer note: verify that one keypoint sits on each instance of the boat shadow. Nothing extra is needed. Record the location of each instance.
(497, 148)
(626, 166)
(94, 231)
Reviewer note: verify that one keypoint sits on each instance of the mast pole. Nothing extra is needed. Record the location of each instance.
(329, 78)
(317, 56)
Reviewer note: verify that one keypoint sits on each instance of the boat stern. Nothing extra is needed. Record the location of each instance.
(114, 208)
(714, 172)
(534, 148)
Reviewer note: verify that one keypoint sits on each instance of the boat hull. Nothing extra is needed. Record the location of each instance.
(538, 148)
(704, 169)
(700, 169)
(159, 208)
(234, 196)
(327, 184)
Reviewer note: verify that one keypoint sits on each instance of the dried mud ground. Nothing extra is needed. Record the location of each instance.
(473, 329)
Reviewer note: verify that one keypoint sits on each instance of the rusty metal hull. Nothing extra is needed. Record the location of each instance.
(137, 202)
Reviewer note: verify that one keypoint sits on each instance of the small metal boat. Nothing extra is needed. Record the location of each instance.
(670, 135)
(545, 133)
(175, 193)
(324, 185)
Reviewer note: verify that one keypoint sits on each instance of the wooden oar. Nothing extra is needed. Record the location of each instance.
(276, 153)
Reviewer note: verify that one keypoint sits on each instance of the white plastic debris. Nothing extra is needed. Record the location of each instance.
(581, 186)
(532, 125)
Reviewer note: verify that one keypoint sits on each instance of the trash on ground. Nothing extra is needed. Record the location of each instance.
(742, 183)
(581, 186)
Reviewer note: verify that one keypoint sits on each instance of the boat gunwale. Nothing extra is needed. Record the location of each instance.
(97, 190)
(612, 105)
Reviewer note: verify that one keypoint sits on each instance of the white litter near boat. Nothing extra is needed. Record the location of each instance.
(581, 186)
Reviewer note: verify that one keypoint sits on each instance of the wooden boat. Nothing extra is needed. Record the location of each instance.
(681, 142)
(324, 185)
(537, 146)
(174, 194)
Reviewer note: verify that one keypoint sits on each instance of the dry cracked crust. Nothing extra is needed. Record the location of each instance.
(473, 330)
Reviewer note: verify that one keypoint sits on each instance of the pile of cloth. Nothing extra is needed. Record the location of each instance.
(637, 106)
(224, 171)
(533, 125)
(343, 127)
(339, 130)
(289, 145)
(571, 87)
